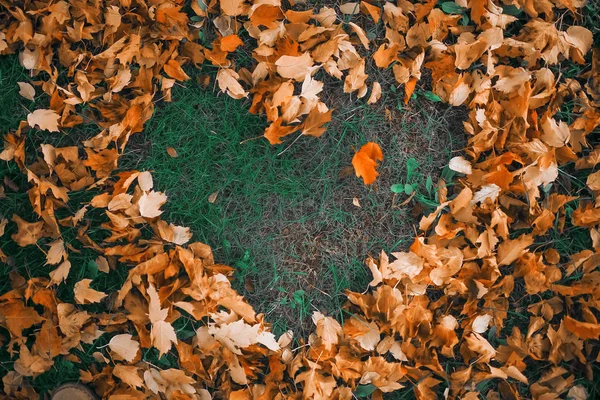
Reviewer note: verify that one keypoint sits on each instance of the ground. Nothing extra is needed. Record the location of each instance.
(284, 216)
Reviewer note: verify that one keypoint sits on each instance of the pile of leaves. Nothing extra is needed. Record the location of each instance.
(436, 319)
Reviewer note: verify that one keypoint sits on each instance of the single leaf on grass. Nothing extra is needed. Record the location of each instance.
(26, 90)
(84, 294)
(365, 162)
(124, 346)
(44, 119)
(172, 152)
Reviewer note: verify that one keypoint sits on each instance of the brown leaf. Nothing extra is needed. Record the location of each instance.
(172, 152)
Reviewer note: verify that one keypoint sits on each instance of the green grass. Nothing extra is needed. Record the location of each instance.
(282, 216)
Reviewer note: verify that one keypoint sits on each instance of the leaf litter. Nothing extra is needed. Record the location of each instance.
(447, 298)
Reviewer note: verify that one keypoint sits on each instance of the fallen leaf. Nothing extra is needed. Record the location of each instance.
(174, 70)
(213, 197)
(129, 375)
(459, 164)
(365, 162)
(44, 120)
(86, 295)
(294, 67)
(26, 90)
(231, 42)
(172, 152)
(124, 346)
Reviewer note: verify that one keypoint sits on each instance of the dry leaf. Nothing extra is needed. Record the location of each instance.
(44, 119)
(85, 295)
(459, 164)
(129, 375)
(213, 197)
(172, 152)
(365, 162)
(26, 90)
(124, 346)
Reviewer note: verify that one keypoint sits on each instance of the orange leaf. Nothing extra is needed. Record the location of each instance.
(313, 125)
(174, 70)
(409, 88)
(276, 131)
(584, 330)
(365, 162)
(230, 43)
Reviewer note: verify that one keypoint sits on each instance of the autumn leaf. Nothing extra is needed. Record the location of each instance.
(583, 330)
(85, 295)
(459, 164)
(124, 346)
(276, 131)
(231, 42)
(129, 374)
(56, 253)
(365, 162)
(44, 120)
(162, 333)
(313, 124)
(150, 204)
(26, 90)
(228, 81)
(16, 317)
(294, 67)
(174, 70)
(510, 250)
